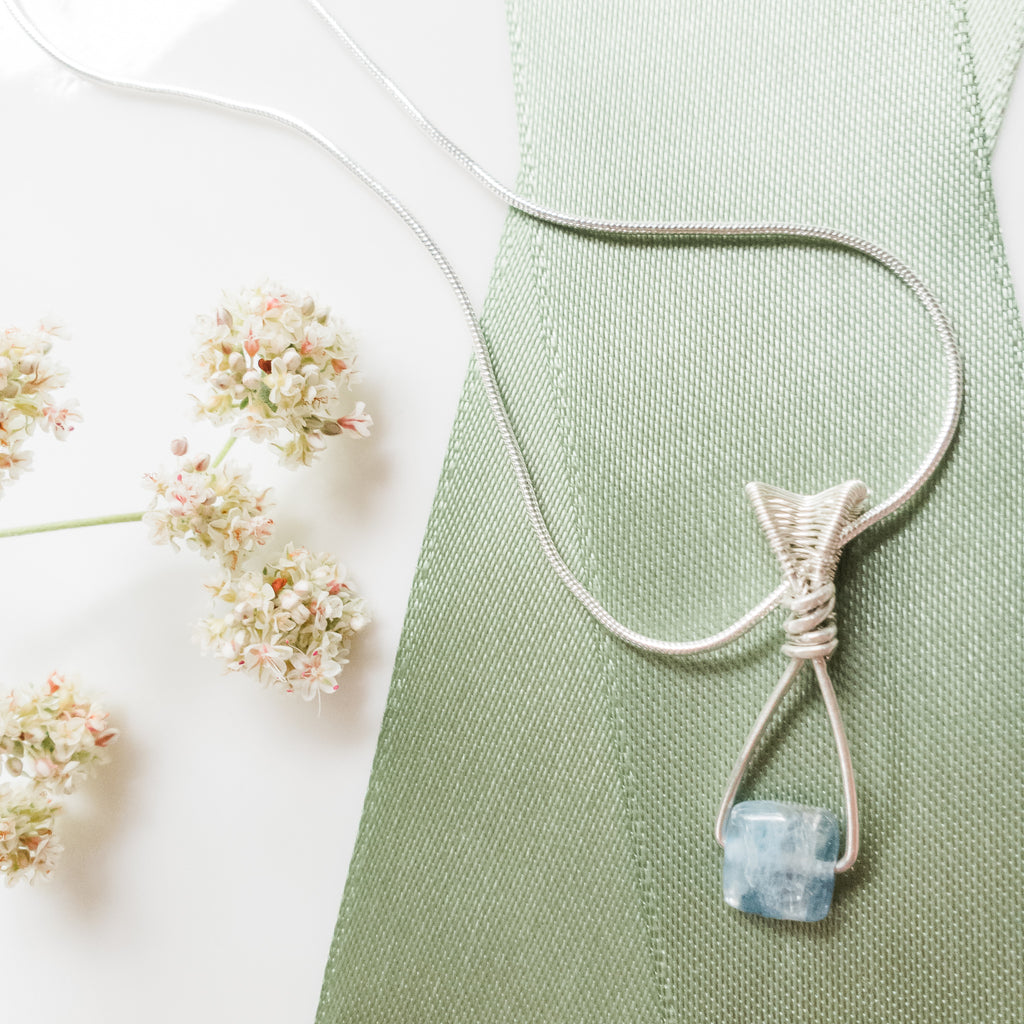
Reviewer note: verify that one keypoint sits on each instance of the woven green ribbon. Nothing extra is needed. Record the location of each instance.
(537, 840)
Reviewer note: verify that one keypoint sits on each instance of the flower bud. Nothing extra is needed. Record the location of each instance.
(236, 362)
(179, 446)
(225, 319)
(202, 463)
(252, 379)
(308, 306)
(291, 360)
(28, 365)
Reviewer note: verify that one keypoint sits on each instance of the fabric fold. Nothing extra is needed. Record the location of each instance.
(997, 39)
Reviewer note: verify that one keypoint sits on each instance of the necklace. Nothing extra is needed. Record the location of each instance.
(780, 859)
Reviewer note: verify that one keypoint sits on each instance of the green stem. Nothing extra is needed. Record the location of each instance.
(223, 452)
(71, 524)
(123, 517)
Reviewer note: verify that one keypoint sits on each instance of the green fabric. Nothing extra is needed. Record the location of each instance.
(537, 839)
(997, 37)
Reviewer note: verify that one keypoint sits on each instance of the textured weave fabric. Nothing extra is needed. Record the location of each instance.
(997, 37)
(537, 840)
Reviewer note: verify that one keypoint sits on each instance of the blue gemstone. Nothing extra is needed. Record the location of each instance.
(780, 860)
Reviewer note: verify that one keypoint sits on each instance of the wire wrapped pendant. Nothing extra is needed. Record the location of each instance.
(781, 859)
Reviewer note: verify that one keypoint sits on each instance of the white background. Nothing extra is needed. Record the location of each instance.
(205, 865)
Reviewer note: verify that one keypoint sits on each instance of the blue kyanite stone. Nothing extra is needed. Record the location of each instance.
(780, 860)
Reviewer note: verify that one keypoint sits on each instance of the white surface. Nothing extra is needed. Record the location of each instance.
(204, 866)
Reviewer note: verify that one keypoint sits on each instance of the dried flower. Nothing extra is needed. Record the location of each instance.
(28, 847)
(29, 379)
(54, 736)
(214, 511)
(50, 739)
(358, 421)
(290, 624)
(277, 364)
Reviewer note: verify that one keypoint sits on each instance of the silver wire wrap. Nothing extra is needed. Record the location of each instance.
(810, 626)
(495, 401)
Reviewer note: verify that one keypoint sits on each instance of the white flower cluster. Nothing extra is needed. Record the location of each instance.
(213, 511)
(28, 847)
(50, 740)
(277, 364)
(29, 378)
(291, 623)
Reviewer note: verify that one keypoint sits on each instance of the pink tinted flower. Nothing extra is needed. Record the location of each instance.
(61, 419)
(28, 847)
(53, 734)
(29, 381)
(358, 421)
(278, 365)
(215, 511)
(290, 624)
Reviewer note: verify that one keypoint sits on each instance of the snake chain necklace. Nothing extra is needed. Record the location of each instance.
(780, 859)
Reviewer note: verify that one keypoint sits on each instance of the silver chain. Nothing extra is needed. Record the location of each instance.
(753, 230)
